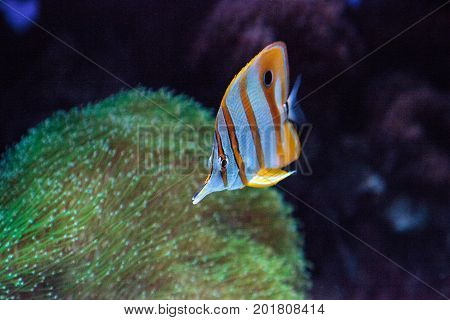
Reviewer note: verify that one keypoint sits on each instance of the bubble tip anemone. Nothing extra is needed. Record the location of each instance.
(77, 220)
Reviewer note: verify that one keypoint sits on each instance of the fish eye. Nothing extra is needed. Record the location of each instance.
(223, 162)
(267, 78)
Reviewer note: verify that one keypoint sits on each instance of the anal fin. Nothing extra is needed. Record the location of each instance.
(268, 177)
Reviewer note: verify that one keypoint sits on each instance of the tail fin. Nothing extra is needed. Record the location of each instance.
(295, 112)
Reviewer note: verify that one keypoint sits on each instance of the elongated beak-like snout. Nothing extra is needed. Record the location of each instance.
(203, 192)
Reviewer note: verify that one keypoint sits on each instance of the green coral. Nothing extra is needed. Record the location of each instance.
(79, 217)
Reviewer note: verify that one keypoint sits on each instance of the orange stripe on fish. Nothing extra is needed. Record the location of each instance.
(251, 121)
(292, 141)
(223, 170)
(272, 62)
(234, 143)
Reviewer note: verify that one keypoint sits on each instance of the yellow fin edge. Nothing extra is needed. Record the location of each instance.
(268, 177)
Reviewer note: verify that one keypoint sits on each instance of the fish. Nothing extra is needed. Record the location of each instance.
(256, 134)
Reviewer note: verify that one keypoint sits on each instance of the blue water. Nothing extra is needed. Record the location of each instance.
(354, 3)
(18, 14)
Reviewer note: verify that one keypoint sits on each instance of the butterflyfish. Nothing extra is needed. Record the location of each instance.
(256, 130)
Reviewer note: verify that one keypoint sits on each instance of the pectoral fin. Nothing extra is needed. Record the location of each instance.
(268, 177)
(295, 112)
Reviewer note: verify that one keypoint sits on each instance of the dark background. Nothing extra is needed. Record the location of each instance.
(379, 149)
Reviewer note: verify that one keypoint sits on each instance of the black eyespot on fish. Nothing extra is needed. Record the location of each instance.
(267, 78)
